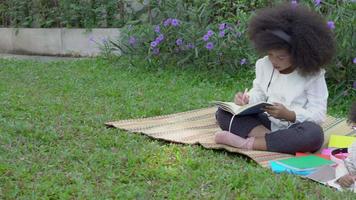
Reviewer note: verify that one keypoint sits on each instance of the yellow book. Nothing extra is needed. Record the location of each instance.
(341, 141)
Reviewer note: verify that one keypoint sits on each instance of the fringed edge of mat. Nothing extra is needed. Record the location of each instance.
(111, 124)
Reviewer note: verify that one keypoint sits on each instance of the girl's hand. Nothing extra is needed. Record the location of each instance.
(241, 99)
(279, 111)
(346, 181)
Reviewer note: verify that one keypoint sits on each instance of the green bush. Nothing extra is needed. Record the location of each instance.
(184, 44)
(187, 43)
(231, 52)
(63, 13)
(196, 17)
(341, 74)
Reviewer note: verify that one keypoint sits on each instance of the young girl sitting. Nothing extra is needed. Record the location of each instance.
(298, 43)
(349, 169)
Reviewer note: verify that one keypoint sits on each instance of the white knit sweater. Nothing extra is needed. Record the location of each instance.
(306, 96)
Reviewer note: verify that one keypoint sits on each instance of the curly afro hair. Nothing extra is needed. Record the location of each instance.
(311, 40)
(352, 114)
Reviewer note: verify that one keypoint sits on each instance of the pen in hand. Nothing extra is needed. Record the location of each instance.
(241, 98)
(244, 95)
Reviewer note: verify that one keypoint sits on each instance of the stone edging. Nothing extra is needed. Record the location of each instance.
(54, 41)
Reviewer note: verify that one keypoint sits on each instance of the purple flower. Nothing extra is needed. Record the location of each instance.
(104, 39)
(157, 29)
(294, 3)
(132, 41)
(91, 39)
(209, 46)
(206, 37)
(167, 22)
(155, 51)
(354, 60)
(157, 41)
(243, 61)
(317, 2)
(160, 38)
(238, 34)
(222, 33)
(190, 46)
(179, 41)
(154, 44)
(210, 33)
(354, 85)
(331, 24)
(175, 22)
(222, 26)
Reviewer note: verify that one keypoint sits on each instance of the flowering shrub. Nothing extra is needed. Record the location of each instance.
(341, 74)
(185, 43)
(64, 13)
(214, 36)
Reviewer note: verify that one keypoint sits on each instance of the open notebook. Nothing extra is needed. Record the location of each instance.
(247, 109)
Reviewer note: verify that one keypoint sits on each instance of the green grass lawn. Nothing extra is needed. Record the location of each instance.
(54, 145)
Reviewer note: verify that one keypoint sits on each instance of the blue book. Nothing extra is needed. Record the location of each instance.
(302, 163)
(277, 168)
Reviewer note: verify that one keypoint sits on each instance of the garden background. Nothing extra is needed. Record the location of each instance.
(176, 56)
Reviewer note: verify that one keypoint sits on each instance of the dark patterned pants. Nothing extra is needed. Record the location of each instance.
(299, 137)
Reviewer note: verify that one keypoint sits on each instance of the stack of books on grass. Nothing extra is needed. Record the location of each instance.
(302, 165)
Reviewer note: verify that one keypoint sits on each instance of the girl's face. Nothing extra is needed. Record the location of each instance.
(281, 60)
